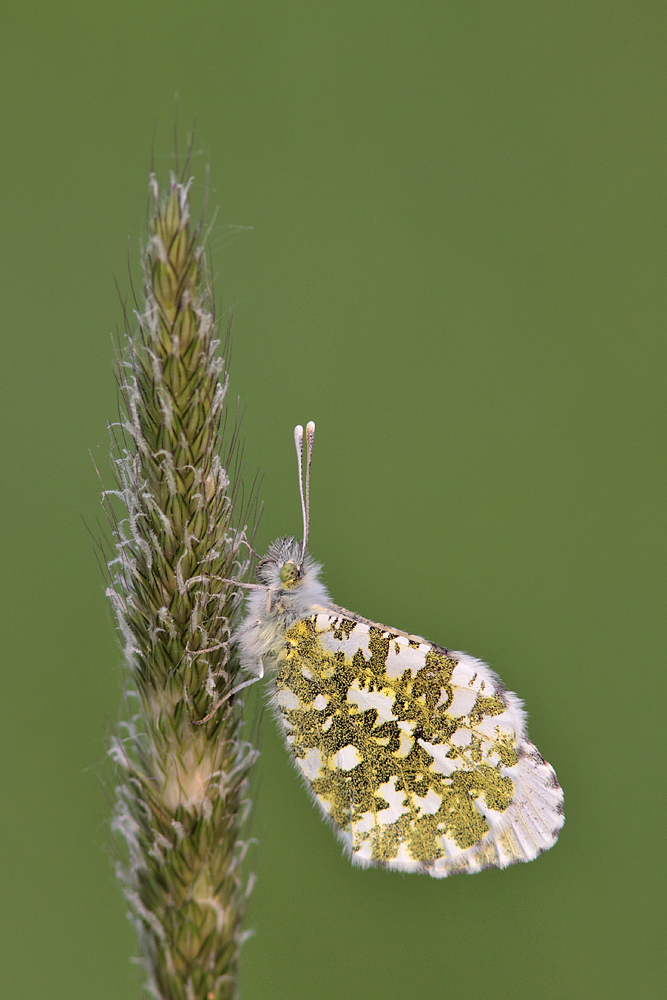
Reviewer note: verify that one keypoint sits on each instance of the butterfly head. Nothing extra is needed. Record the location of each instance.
(285, 568)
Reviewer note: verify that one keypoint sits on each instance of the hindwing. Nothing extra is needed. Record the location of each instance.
(417, 755)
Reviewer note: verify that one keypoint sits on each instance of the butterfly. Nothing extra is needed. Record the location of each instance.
(417, 755)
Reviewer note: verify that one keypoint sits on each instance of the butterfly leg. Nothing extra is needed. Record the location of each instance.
(235, 690)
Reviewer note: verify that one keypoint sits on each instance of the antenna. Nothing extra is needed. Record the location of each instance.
(305, 501)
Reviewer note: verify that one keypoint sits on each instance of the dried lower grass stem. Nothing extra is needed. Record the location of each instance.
(182, 795)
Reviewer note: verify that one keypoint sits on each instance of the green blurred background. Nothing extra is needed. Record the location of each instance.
(457, 268)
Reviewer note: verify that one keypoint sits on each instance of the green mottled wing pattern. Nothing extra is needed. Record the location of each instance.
(418, 756)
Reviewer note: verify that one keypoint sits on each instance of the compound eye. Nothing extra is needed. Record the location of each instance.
(289, 575)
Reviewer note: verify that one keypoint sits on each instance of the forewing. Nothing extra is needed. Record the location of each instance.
(417, 755)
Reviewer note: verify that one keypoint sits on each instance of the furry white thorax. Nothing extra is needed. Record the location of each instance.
(273, 608)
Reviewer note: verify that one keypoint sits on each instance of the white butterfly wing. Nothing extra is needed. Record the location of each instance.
(417, 755)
